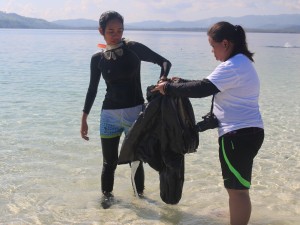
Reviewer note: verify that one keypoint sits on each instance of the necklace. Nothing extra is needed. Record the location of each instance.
(113, 51)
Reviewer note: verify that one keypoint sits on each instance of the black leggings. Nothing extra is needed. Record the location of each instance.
(110, 162)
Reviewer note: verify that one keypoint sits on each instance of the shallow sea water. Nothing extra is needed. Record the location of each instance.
(49, 175)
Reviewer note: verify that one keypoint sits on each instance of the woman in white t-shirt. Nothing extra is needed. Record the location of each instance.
(235, 86)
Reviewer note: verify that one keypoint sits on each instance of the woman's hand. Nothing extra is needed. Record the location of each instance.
(84, 127)
(160, 87)
(175, 78)
(162, 79)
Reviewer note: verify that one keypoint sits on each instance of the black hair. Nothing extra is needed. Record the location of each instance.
(107, 16)
(235, 34)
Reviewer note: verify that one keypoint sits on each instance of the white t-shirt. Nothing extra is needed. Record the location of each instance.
(236, 105)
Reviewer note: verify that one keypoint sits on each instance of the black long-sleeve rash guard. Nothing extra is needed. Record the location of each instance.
(191, 88)
(122, 75)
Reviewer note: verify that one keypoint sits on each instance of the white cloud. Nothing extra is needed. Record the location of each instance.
(293, 5)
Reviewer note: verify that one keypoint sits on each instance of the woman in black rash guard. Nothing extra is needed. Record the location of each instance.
(120, 65)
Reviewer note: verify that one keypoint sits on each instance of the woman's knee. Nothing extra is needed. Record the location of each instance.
(235, 193)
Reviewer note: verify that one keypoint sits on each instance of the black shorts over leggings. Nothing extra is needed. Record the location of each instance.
(237, 150)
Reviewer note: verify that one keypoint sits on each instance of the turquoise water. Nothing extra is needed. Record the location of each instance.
(49, 175)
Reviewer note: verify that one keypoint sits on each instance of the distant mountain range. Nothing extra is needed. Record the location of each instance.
(12, 20)
(288, 23)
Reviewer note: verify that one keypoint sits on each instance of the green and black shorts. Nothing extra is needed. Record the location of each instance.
(237, 150)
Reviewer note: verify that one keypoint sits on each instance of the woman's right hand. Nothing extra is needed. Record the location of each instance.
(84, 128)
(175, 78)
(160, 87)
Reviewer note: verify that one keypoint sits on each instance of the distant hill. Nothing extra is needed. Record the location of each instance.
(288, 23)
(12, 20)
(272, 23)
(77, 23)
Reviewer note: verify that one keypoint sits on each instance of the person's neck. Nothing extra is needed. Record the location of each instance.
(110, 47)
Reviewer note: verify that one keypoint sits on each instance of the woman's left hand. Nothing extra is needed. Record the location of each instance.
(160, 87)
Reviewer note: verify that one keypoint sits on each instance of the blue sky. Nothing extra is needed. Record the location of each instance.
(141, 10)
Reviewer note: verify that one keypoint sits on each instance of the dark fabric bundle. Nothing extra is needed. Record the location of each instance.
(161, 135)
